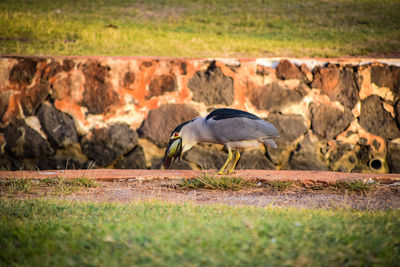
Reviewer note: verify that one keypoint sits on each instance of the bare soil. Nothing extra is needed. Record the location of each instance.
(299, 195)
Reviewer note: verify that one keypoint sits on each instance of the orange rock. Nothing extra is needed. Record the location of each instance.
(14, 110)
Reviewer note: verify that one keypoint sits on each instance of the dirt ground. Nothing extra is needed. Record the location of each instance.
(300, 195)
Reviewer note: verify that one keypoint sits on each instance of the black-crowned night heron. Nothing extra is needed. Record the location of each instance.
(233, 128)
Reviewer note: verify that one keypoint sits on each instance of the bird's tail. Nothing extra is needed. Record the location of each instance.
(269, 142)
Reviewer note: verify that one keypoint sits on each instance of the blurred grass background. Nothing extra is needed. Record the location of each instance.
(210, 28)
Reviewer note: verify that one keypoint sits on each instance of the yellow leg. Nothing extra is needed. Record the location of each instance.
(221, 171)
(235, 162)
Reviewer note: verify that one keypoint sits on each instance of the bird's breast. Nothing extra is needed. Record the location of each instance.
(244, 144)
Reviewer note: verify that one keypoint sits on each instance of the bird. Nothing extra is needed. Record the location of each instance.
(233, 128)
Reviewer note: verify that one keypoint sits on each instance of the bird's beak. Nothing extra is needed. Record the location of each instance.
(173, 151)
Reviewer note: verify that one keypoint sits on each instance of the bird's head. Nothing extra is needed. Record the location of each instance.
(174, 147)
(182, 139)
(173, 150)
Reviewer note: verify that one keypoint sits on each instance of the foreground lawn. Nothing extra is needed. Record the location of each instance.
(193, 28)
(56, 233)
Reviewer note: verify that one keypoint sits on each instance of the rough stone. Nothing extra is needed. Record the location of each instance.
(99, 94)
(105, 145)
(211, 86)
(339, 150)
(265, 71)
(254, 160)
(129, 80)
(134, 159)
(2, 142)
(148, 64)
(181, 64)
(162, 84)
(308, 76)
(326, 78)
(307, 156)
(386, 76)
(24, 142)
(328, 121)
(51, 70)
(290, 128)
(60, 163)
(65, 85)
(206, 156)
(68, 64)
(287, 70)
(396, 111)
(347, 91)
(376, 120)
(23, 72)
(69, 158)
(34, 96)
(339, 85)
(393, 157)
(364, 154)
(273, 97)
(8, 163)
(343, 158)
(177, 165)
(58, 126)
(157, 163)
(4, 97)
(160, 122)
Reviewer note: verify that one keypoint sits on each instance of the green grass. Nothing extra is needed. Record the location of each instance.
(57, 233)
(215, 182)
(200, 28)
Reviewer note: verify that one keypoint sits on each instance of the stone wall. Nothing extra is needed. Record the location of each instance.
(118, 112)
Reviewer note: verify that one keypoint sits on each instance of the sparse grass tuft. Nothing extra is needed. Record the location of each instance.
(17, 185)
(51, 181)
(236, 183)
(216, 182)
(84, 182)
(67, 186)
(280, 185)
(59, 185)
(53, 185)
(353, 186)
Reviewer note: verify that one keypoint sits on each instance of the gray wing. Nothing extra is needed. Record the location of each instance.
(240, 128)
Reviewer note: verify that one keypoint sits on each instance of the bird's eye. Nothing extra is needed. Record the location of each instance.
(176, 134)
